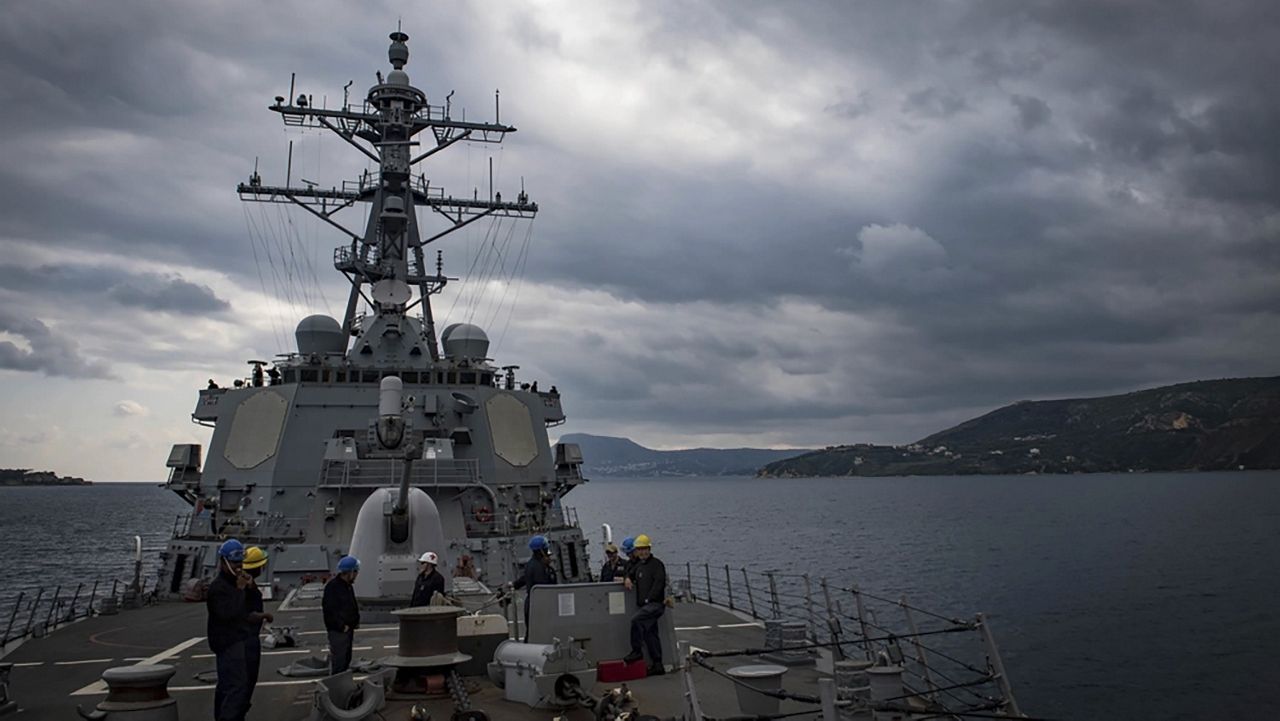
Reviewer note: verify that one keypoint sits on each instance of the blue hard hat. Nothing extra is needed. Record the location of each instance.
(348, 564)
(628, 545)
(232, 550)
(538, 543)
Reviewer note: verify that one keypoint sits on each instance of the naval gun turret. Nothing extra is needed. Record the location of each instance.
(395, 525)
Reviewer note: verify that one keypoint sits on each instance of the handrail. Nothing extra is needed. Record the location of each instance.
(846, 621)
(34, 614)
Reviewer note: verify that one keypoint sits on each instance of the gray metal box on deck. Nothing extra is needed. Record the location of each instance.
(596, 615)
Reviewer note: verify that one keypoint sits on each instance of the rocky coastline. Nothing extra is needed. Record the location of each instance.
(28, 477)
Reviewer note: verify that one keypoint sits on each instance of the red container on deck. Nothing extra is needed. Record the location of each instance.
(615, 671)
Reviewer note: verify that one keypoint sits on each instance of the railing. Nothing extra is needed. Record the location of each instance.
(36, 613)
(260, 530)
(950, 665)
(379, 472)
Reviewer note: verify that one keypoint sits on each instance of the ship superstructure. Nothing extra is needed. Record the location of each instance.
(294, 451)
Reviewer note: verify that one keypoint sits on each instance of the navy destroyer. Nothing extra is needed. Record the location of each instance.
(383, 439)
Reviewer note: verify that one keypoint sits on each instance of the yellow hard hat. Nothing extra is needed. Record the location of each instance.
(255, 557)
(642, 541)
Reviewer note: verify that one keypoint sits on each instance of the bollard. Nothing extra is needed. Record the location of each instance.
(781, 639)
(853, 684)
(887, 689)
(136, 693)
(764, 677)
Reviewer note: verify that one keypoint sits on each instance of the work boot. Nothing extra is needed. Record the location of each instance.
(654, 670)
(632, 657)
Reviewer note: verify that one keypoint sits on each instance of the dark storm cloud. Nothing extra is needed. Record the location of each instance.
(168, 294)
(149, 291)
(1047, 198)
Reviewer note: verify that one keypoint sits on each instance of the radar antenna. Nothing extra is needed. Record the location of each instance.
(388, 255)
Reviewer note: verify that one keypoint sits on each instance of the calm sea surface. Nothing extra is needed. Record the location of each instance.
(1111, 596)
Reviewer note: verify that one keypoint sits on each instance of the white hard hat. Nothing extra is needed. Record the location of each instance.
(429, 557)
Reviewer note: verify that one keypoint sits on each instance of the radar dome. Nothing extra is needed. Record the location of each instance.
(320, 334)
(463, 340)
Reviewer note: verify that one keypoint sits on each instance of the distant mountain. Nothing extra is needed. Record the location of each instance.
(1205, 425)
(609, 456)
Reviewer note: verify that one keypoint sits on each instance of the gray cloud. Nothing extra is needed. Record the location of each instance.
(168, 293)
(1032, 112)
(49, 352)
(933, 103)
(851, 109)
(868, 163)
(125, 409)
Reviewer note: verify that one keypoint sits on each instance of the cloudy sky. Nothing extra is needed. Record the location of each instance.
(770, 224)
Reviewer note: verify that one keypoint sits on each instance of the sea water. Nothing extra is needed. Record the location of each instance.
(1111, 596)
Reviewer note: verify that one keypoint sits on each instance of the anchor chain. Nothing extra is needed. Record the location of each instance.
(462, 710)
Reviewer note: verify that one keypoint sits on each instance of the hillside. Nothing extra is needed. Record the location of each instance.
(609, 456)
(1204, 425)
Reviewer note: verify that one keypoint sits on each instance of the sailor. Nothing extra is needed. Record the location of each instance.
(273, 376)
(648, 576)
(628, 551)
(255, 559)
(229, 614)
(613, 568)
(429, 582)
(537, 572)
(341, 613)
(212, 386)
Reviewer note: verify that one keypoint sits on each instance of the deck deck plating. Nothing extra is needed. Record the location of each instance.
(77, 653)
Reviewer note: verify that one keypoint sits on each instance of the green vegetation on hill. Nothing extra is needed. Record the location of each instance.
(610, 456)
(1204, 425)
(28, 477)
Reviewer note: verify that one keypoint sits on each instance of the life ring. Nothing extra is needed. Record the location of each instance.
(482, 514)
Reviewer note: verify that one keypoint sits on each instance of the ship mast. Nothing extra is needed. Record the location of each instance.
(388, 256)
